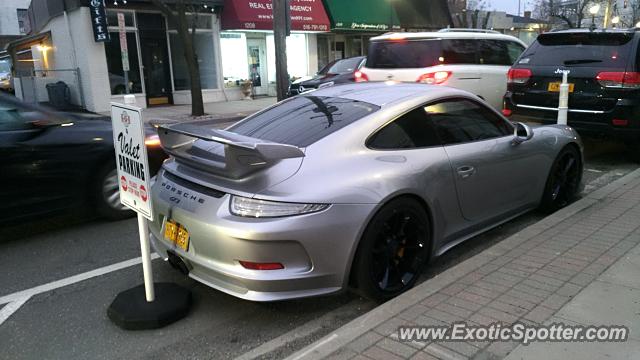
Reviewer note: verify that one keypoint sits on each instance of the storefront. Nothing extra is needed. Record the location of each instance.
(353, 23)
(247, 46)
(104, 50)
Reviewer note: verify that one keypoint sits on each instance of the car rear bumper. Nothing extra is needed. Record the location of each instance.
(587, 122)
(316, 249)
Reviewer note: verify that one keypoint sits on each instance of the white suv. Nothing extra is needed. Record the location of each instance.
(476, 61)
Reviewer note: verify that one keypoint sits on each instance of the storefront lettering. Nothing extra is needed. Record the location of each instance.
(99, 21)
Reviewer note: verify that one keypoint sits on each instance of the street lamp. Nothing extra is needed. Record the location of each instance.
(593, 11)
(615, 20)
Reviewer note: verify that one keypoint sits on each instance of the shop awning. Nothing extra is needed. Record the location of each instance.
(387, 15)
(362, 15)
(306, 15)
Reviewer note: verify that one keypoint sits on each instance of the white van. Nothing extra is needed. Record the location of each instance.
(472, 60)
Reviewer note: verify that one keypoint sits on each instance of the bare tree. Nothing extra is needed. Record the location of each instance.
(634, 11)
(185, 16)
(571, 13)
(470, 14)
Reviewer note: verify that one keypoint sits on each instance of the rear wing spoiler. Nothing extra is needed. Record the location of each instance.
(241, 154)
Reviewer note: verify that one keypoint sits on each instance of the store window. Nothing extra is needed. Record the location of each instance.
(118, 82)
(203, 44)
(235, 65)
(297, 56)
(112, 18)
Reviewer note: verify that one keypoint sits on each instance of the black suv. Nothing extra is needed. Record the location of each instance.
(604, 72)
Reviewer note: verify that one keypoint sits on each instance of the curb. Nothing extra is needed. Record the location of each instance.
(357, 327)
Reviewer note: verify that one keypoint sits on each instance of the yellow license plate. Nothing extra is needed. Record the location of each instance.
(555, 87)
(177, 234)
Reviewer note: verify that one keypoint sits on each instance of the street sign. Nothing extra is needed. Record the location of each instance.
(131, 158)
(123, 43)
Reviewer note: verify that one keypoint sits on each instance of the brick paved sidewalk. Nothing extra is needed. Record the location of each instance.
(527, 278)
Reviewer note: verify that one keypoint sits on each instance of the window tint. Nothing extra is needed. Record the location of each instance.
(459, 51)
(403, 54)
(412, 130)
(303, 120)
(604, 50)
(514, 50)
(460, 121)
(498, 52)
(343, 66)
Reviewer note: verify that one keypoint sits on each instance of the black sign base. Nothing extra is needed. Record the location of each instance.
(131, 311)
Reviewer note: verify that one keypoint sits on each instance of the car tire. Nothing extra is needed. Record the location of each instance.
(393, 250)
(563, 182)
(106, 192)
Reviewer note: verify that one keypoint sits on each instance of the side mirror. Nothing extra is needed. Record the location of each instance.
(522, 133)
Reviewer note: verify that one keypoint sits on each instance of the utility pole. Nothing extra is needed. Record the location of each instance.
(607, 14)
(281, 27)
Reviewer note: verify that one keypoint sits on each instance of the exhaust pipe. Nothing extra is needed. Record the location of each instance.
(177, 263)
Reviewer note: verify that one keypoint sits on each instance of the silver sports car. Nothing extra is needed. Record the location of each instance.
(350, 186)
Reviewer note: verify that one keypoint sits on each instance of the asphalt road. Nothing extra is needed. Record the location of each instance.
(70, 322)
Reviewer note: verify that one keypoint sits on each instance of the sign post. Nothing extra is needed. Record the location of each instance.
(563, 105)
(128, 310)
(124, 50)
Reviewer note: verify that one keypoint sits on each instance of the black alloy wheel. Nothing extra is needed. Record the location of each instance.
(564, 179)
(393, 251)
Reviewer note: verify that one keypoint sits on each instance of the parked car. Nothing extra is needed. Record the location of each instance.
(474, 61)
(336, 72)
(358, 184)
(54, 161)
(603, 68)
(6, 80)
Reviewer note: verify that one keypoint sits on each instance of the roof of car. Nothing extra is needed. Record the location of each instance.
(600, 31)
(383, 93)
(443, 35)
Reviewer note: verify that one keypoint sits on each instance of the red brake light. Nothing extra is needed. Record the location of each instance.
(518, 76)
(360, 76)
(620, 122)
(619, 79)
(261, 266)
(506, 112)
(436, 78)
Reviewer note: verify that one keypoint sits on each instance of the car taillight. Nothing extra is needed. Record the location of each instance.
(506, 112)
(518, 76)
(360, 76)
(620, 122)
(261, 266)
(435, 78)
(619, 79)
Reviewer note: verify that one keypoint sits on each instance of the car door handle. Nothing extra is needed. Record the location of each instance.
(466, 171)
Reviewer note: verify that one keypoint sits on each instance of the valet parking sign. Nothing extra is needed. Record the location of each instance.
(131, 158)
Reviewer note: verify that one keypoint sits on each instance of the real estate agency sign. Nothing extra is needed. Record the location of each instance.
(306, 15)
(131, 158)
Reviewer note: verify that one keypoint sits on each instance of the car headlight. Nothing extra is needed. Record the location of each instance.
(247, 207)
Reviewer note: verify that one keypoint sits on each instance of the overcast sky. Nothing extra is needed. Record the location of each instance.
(510, 6)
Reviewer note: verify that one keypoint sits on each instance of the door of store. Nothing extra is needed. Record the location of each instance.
(256, 52)
(155, 59)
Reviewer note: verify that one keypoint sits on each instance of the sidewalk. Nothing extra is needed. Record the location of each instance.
(214, 111)
(580, 265)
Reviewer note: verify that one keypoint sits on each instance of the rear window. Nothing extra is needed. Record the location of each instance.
(303, 120)
(431, 52)
(580, 49)
(403, 54)
(342, 66)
